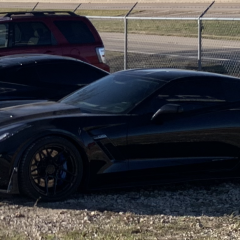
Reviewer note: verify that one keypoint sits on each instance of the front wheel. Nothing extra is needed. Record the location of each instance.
(51, 169)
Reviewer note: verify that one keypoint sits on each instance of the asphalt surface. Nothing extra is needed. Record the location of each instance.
(222, 50)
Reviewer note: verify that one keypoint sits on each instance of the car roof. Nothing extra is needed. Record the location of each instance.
(169, 74)
(31, 14)
(20, 59)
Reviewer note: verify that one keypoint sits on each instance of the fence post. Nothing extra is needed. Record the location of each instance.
(199, 44)
(35, 6)
(77, 7)
(125, 43)
(200, 36)
(125, 36)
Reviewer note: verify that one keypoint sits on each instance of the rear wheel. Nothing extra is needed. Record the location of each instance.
(51, 169)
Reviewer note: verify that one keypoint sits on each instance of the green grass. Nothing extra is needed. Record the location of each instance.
(211, 29)
(183, 28)
(116, 13)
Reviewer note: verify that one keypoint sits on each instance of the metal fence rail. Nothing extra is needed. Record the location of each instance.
(209, 44)
(200, 42)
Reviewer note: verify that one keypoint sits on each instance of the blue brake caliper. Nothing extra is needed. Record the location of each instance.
(62, 174)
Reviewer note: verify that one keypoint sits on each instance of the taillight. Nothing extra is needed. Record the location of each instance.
(101, 54)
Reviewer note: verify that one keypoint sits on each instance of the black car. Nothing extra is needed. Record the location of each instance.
(41, 76)
(132, 127)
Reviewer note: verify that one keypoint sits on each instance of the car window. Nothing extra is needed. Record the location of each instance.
(69, 73)
(20, 75)
(76, 32)
(231, 89)
(4, 35)
(194, 93)
(31, 34)
(190, 93)
(116, 93)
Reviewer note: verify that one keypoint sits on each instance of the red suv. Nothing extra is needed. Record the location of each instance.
(57, 33)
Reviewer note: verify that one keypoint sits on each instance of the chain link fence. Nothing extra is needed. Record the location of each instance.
(221, 45)
(172, 43)
(204, 36)
(200, 37)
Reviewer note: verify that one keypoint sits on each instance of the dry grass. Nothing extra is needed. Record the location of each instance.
(128, 226)
(173, 212)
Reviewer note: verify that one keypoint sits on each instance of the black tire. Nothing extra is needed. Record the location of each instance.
(51, 169)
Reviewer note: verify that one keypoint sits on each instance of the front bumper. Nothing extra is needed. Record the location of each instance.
(8, 179)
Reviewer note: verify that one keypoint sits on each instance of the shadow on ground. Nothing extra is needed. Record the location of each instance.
(216, 198)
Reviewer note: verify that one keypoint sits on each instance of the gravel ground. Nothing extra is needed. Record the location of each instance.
(181, 211)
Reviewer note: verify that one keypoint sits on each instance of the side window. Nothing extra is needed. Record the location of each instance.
(3, 35)
(23, 75)
(191, 94)
(31, 34)
(69, 73)
(231, 89)
(76, 32)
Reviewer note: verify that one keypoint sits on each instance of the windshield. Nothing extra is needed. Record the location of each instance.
(116, 93)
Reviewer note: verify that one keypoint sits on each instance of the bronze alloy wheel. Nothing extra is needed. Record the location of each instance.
(51, 169)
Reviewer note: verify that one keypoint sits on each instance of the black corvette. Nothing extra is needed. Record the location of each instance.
(132, 127)
(29, 78)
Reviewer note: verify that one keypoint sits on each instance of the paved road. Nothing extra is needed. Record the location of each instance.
(222, 50)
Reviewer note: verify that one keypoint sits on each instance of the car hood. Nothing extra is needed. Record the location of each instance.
(35, 110)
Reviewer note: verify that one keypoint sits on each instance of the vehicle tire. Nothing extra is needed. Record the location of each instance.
(51, 169)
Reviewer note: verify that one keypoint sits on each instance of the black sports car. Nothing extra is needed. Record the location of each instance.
(132, 127)
(29, 77)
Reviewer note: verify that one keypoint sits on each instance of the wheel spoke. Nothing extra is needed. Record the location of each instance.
(63, 162)
(55, 183)
(33, 170)
(70, 173)
(64, 180)
(49, 153)
(34, 175)
(36, 161)
(57, 160)
(37, 178)
(58, 155)
(46, 184)
(40, 156)
(43, 153)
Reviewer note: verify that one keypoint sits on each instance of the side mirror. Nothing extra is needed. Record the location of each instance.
(166, 110)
